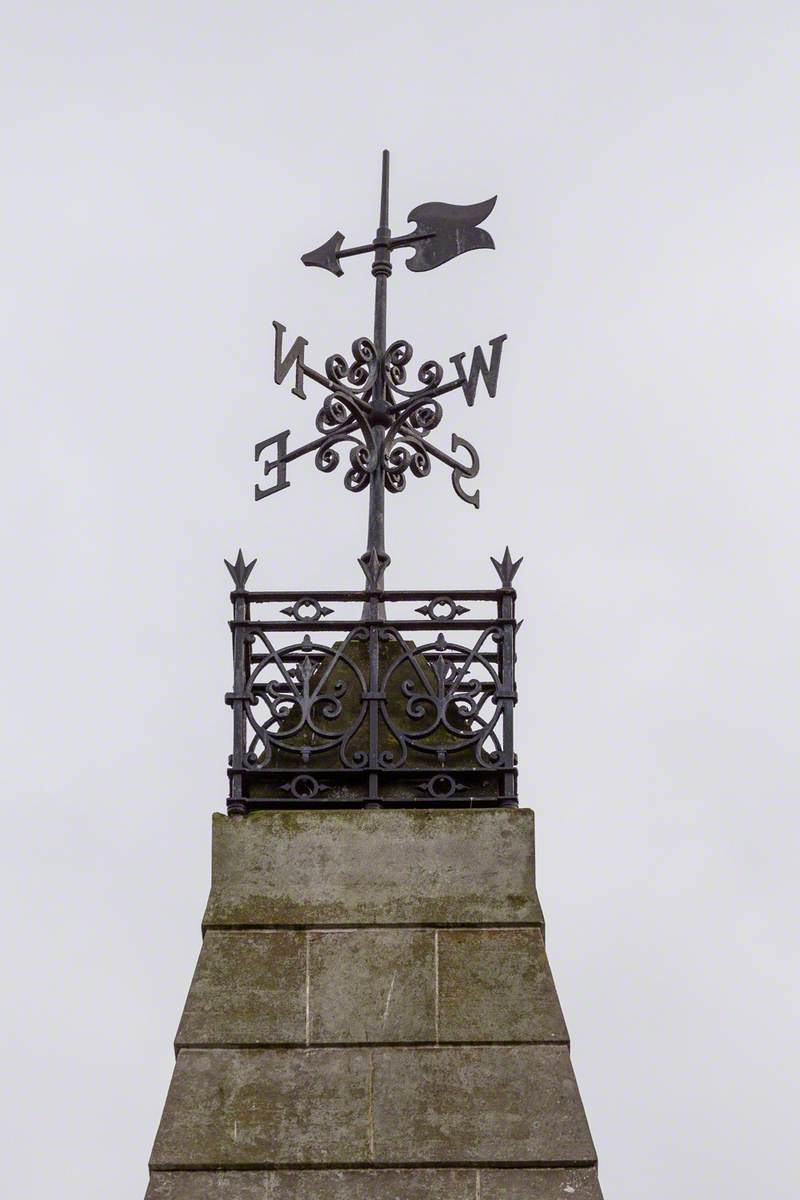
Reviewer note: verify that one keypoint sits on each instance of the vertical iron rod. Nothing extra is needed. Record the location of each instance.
(373, 707)
(381, 269)
(506, 609)
(237, 805)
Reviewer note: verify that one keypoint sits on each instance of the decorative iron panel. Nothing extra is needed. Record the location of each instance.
(374, 697)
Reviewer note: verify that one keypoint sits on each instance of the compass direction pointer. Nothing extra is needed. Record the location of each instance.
(479, 369)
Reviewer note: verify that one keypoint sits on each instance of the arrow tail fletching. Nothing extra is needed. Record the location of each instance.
(451, 229)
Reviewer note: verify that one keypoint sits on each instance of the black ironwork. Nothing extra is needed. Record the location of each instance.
(335, 700)
(337, 704)
(368, 409)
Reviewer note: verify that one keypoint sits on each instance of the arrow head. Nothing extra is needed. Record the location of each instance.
(326, 256)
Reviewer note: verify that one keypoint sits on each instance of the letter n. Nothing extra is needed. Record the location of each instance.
(295, 358)
(479, 370)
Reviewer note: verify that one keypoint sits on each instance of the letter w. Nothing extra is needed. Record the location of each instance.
(479, 369)
(295, 358)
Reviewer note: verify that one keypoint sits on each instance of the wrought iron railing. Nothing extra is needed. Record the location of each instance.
(375, 697)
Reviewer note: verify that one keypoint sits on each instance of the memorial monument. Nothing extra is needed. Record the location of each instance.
(372, 1014)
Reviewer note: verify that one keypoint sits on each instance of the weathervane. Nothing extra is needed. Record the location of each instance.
(388, 425)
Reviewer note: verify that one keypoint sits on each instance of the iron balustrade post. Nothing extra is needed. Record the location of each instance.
(237, 803)
(374, 608)
(506, 611)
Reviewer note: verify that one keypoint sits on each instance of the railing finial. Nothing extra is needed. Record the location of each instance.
(506, 568)
(240, 570)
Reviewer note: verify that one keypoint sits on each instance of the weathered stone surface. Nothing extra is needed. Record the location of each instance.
(549, 1184)
(491, 1104)
(363, 867)
(209, 1185)
(372, 985)
(228, 1108)
(249, 988)
(362, 1184)
(335, 927)
(495, 986)
(373, 1185)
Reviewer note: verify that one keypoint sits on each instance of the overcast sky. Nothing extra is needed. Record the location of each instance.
(164, 166)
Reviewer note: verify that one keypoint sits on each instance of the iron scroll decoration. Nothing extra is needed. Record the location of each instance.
(350, 708)
(373, 696)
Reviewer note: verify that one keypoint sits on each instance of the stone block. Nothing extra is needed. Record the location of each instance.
(362, 1184)
(363, 867)
(495, 986)
(492, 1104)
(372, 985)
(549, 1183)
(373, 1185)
(249, 988)
(209, 1185)
(256, 1108)
(552, 1184)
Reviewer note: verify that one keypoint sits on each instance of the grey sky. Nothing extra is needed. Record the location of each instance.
(164, 166)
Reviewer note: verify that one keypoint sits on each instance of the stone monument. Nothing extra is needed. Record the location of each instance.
(372, 1014)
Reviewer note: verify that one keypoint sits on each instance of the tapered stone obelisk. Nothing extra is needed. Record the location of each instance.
(373, 1015)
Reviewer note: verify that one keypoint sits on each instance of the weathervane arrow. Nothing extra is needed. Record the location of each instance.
(368, 411)
(443, 232)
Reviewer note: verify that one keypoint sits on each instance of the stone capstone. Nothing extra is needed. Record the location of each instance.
(366, 867)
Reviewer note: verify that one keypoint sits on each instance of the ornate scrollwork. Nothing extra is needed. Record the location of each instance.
(395, 361)
(424, 415)
(295, 700)
(358, 476)
(401, 459)
(390, 438)
(308, 700)
(324, 705)
(333, 415)
(446, 688)
(360, 373)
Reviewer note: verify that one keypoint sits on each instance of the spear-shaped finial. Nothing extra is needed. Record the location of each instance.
(240, 570)
(506, 568)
